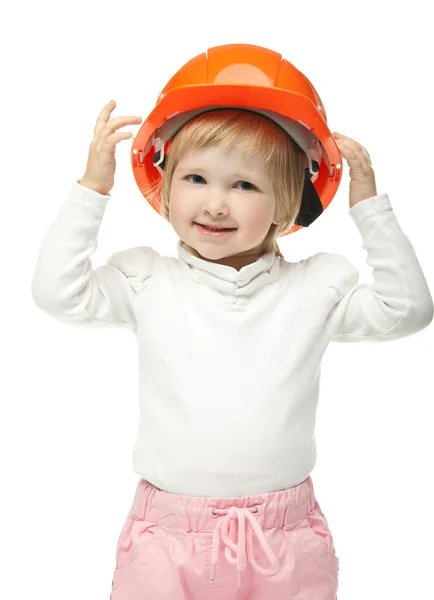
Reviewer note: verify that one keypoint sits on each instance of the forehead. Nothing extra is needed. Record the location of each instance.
(235, 157)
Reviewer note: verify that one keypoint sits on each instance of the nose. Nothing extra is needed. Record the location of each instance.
(215, 201)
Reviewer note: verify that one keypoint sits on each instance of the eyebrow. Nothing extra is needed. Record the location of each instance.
(241, 176)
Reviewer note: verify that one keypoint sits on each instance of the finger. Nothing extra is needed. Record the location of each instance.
(356, 156)
(357, 149)
(361, 162)
(110, 143)
(359, 146)
(362, 154)
(104, 116)
(114, 124)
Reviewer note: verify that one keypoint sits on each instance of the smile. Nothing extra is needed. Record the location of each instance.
(213, 232)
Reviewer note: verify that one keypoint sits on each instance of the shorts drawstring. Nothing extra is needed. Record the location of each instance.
(244, 552)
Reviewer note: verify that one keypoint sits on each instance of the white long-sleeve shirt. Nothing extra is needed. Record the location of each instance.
(230, 360)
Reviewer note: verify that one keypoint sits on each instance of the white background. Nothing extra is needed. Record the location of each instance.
(69, 396)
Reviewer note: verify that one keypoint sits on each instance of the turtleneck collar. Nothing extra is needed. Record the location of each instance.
(226, 279)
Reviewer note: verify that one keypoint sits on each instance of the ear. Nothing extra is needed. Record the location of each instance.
(275, 221)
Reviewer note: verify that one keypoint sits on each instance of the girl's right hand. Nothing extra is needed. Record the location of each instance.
(101, 163)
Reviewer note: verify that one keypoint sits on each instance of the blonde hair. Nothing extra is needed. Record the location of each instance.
(259, 138)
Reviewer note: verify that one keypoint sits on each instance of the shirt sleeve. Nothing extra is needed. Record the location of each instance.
(64, 283)
(398, 303)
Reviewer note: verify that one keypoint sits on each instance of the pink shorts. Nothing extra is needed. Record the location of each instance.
(274, 546)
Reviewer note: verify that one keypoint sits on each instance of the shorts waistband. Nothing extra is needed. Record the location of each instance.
(195, 513)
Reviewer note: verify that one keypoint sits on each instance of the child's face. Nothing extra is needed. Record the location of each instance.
(222, 187)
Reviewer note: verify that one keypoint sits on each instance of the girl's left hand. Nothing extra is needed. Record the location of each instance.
(362, 176)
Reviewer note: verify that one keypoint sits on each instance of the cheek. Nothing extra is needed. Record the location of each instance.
(258, 215)
(178, 207)
(184, 203)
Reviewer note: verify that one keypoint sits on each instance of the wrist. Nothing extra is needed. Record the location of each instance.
(92, 186)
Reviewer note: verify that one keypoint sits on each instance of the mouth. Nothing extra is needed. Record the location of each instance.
(213, 231)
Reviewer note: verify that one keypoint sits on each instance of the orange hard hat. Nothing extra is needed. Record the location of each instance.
(251, 78)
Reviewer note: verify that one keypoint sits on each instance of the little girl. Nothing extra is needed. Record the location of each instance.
(231, 338)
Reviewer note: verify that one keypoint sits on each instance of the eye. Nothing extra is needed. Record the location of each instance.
(196, 178)
(250, 186)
